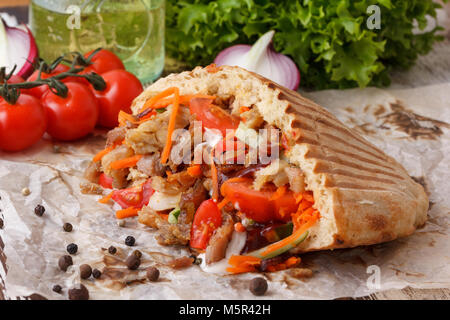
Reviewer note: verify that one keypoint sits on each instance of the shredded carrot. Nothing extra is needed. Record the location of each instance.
(308, 197)
(106, 198)
(195, 171)
(292, 261)
(223, 203)
(279, 193)
(241, 269)
(298, 198)
(150, 102)
(237, 260)
(166, 151)
(238, 227)
(212, 68)
(126, 117)
(126, 163)
(302, 229)
(102, 153)
(244, 109)
(168, 173)
(127, 213)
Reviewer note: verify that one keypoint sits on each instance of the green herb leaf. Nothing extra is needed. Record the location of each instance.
(329, 40)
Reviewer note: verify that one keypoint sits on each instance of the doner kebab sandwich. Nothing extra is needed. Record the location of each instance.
(249, 174)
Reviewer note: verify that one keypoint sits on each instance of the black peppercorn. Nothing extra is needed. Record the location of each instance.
(152, 274)
(130, 241)
(79, 293)
(258, 286)
(72, 248)
(39, 210)
(96, 273)
(1, 223)
(85, 271)
(57, 288)
(133, 262)
(64, 262)
(112, 250)
(67, 227)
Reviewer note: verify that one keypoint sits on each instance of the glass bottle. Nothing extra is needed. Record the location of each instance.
(133, 29)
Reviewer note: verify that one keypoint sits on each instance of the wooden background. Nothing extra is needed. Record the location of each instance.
(18, 8)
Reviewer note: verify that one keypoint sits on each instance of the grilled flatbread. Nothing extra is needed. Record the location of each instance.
(363, 195)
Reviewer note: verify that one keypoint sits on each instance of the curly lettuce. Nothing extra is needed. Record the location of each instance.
(329, 40)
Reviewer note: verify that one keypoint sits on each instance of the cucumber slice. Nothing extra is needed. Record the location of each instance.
(293, 244)
(173, 216)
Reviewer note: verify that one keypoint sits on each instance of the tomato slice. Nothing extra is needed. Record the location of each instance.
(212, 116)
(207, 219)
(261, 205)
(133, 197)
(105, 181)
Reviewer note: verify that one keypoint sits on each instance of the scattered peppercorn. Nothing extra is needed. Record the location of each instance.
(96, 273)
(57, 288)
(79, 292)
(133, 262)
(137, 253)
(26, 192)
(130, 241)
(72, 248)
(112, 250)
(152, 274)
(39, 210)
(1, 223)
(258, 286)
(67, 227)
(64, 262)
(85, 271)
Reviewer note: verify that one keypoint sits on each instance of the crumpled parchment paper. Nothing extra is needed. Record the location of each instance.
(412, 125)
(410, 122)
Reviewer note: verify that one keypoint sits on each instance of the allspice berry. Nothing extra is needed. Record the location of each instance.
(85, 271)
(258, 286)
(152, 274)
(79, 292)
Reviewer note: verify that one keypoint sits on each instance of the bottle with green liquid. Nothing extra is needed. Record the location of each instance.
(132, 29)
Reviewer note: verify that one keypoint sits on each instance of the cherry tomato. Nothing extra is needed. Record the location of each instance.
(105, 181)
(261, 205)
(104, 61)
(121, 89)
(21, 124)
(134, 197)
(15, 79)
(72, 117)
(38, 92)
(212, 116)
(207, 219)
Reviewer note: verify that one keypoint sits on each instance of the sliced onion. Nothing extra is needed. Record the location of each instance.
(17, 48)
(262, 59)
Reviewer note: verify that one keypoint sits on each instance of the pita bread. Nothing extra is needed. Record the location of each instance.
(364, 196)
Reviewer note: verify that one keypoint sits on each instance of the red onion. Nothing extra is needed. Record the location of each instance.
(17, 48)
(262, 59)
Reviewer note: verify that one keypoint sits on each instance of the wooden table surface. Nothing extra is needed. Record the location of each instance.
(18, 7)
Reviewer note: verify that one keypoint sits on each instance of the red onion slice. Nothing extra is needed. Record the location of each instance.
(262, 59)
(17, 48)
